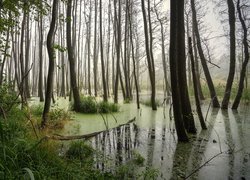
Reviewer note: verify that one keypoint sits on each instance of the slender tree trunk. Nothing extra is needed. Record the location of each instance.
(95, 56)
(134, 65)
(117, 25)
(230, 79)
(149, 46)
(196, 93)
(197, 68)
(164, 62)
(213, 94)
(245, 62)
(51, 53)
(27, 55)
(21, 59)
(71, 58)
(89, 51)
(40, 88)
(105, 95)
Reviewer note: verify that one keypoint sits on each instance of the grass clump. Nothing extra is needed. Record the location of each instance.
(138, 159)
(79, 150)
(37, 110)
(106, 107)
(57, 116)
(89, 105)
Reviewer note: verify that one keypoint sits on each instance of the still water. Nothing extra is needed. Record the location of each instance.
(225, 146)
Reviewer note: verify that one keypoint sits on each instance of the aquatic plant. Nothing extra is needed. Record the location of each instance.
(90, 105)
(106, 107)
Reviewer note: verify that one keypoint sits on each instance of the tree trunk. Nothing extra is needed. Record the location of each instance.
(95, 53)
(51, 54)
(149, 46)
(134, 65)
(175, 12)
(117, 24)
(246, 54)
(196, 93)
(196, 63)
(203, 59)
(71, 58)
(40, 88)
(230, 79)
(105, 95)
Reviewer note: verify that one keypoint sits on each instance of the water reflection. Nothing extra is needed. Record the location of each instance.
(153, 136)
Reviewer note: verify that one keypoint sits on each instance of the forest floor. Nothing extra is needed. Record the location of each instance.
(221, 152)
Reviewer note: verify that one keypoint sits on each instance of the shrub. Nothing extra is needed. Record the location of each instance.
(106, 107)
(79, 150)
(37, 110)
(88, 105)
(138, 159)
(8, 98)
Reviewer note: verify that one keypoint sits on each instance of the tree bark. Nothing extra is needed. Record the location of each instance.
(149, 52)
(230, 79)
(105, 95)
(40, 88)
(51, 54)
(71, 58)
(175, 12)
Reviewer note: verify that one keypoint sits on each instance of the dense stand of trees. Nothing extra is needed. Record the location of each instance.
(106, 48)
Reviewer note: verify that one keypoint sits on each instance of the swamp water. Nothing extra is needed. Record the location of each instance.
(225, 146)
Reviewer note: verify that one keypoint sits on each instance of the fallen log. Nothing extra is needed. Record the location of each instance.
(85, 136)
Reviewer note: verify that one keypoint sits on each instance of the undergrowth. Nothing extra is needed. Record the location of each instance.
(57, 116)
(89, 105)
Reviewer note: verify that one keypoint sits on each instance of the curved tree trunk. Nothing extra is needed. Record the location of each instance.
(51, 54)
(244, 65)
(230, 79)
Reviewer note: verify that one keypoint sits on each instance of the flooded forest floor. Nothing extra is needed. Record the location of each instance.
(221, 152)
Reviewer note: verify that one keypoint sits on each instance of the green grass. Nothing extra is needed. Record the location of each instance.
(89, 105)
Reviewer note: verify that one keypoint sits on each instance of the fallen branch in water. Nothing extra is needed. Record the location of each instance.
(85, 136)
(210, 159)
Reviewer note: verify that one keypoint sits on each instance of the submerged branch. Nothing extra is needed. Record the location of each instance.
(86, 136)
